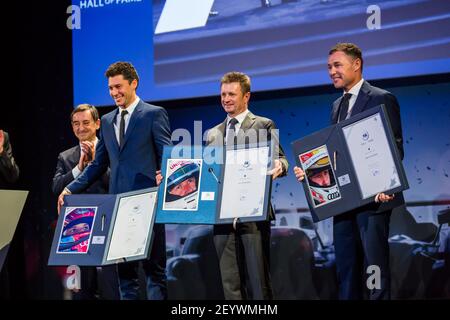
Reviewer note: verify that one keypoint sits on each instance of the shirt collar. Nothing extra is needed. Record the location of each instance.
(131, 107)
(355, 89)
(240, 117)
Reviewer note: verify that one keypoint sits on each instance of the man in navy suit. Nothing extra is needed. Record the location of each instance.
(131, 144)
(361, 235)
(71, 163)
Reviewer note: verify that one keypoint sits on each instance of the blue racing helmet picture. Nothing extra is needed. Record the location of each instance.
(183, 181)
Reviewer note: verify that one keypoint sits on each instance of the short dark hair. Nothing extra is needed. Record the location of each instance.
(126, 69)
(85, 107)
(349, 49)
(242, 78)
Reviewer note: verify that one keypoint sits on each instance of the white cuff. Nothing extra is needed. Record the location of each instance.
(76, 172)
(377, 198)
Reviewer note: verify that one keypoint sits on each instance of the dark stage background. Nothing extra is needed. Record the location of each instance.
(38, 101)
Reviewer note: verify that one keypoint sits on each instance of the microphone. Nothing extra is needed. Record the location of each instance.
(211, 170)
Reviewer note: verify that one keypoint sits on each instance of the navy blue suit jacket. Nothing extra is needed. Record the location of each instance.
(134, 165)
(369, 97)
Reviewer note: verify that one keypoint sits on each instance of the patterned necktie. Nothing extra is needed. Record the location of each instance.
(231, 138)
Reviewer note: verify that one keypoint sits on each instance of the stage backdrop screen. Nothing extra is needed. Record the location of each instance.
(181, 48)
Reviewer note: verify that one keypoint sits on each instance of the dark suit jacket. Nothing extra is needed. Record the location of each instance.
(107, 279)
(9, 171)
(67, 160)
(369, 97)
(215, 137)
(134, 165)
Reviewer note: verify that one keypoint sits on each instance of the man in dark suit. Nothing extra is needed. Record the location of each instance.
(9, 171)
(9, 174)
(71, 163)
(361, 235)
(243, 249)
(131, 144)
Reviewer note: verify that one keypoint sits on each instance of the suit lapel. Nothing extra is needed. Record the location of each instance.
(335, 111)
(248, 122)
(362, 99)
(220, 134)
(222, 127)
(360, 103)
(108, 130)
(75, 156)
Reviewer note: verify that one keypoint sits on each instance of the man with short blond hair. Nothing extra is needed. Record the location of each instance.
(243, 249)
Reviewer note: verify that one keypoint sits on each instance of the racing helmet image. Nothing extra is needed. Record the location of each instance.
(321, 180)
(183, 182)
(75, 234)
(320, 174)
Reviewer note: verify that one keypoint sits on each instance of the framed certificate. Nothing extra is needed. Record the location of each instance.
(246, 184)
(371, 156)
(214, 185)
(133, 218)
(96, 230)
(348, 164)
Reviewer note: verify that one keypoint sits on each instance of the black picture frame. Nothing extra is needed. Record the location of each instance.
(107, 206)
(350, 194)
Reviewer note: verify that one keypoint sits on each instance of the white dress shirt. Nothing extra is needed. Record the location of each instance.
(354, 92)
(130, 110)
(240, 118)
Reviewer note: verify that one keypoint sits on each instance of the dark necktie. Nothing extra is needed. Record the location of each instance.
(122, 127)
(231, 134)
(343, 108)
